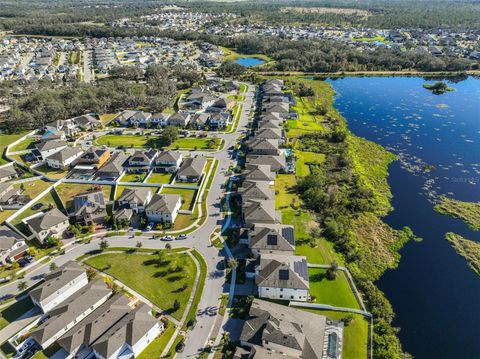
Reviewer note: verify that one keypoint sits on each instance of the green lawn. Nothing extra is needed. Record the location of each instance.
(173, 349)
(46, 200)
(335, 292)
(160, 280)
(201, 283)
(12, 312)
(186, 194)
(160, 178)
(26, 144)
(51, 172)
(303, 159)
(243, 88)
(156, 348)
(133, 177)
(355, 335)
(5, 140)
(67, 191)
(123, 140)
(107, 117)
(190, 143)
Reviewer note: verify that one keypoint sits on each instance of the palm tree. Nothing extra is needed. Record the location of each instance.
(232, 263)
(22, 286)
(53, 266)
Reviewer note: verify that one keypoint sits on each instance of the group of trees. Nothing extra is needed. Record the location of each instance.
(45, 104)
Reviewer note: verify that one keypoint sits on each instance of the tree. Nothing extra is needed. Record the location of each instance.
(53, 266)
(52, 241)
(139, 244)
(169, 135)
(231, 69)
(22, 286)
(91, 273)
(176, 305)
(104, 244)
(168, 246)
(332, 270)
(232, 263)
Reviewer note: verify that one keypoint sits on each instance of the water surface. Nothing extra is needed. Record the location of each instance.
(249, 61)
(437, 138)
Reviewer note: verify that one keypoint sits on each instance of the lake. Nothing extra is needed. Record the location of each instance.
(435, 295)
(249, 61)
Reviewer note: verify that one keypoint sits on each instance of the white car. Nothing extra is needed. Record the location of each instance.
(168, 238)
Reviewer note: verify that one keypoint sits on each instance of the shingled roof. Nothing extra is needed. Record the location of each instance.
(56, 280)
(163, 203)
(282, 271)
(47, 220)
(264, 238)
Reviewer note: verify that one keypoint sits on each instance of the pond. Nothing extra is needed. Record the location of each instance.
(435, 295)
(249, 61)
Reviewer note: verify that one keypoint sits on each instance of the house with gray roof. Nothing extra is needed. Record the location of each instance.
(129, 336)
(48, 148)
(136, 199)
(266, 240)
(75, 308)
(12, 245)
(163, 208)
(113, 168)
(181, 119)
(282, 276)
(58, 285)
(276, 331)
(8, 194)
(267, 147)
(256, 190)
(192, 169)
(89, 207)
(87, 122)
(141, 160)
(44, 224)
(259, 212)
(257, 172)
(64, 158)
(168, 161)
(81, 337)
(123, 117)
(270, 134)
(278, 164)
(8, 173)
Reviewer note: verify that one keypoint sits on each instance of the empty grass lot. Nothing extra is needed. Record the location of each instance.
(159, 279)
(133, 177)
(303, 159)
(336, 292)
(160, 178)
(5, 140)
(67, 191)
(187, 196)
(191, 143)
(46, 200)
(51, 172)
(139, 141)
(26, 144)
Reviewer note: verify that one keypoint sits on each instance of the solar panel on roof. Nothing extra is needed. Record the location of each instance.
(283, 274)
(300, 268)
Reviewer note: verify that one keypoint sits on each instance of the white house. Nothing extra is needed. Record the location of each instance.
(136, 199)
(52, 223)
(48, 148)
(164, 208)
(59, 285)
(12, 245)
(64, 158)
(283, 277)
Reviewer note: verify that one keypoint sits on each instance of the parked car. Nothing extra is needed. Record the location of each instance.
(168, 238)
(181, 236)
(150, 226)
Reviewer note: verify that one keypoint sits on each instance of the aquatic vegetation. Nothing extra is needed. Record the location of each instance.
(438, 88)
(469, 212)
(468, 249)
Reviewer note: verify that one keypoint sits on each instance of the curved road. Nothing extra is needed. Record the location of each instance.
(199, 239)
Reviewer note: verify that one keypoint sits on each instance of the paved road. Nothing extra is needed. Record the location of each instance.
(87, 66)
(199, 239)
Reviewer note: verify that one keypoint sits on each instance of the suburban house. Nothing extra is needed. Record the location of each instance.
(58, 285)
(12, 246)
(52, 223)
(136, 199)
(128, 337)
(192, 169)
(200, 120)
(8, 173)
(94, 158)
(197, 101)
(48, 148)
(180, 119)
(89, 208)
(265, 124)
(276, 331)
(159, 119)
(67, 127)
(256, 190)
(72, 310)
(278, 164)
(258, 212)
(163, 208)
(113, 168)
(281, 276)
(168, 161)
(259, 146)
(258, 173)
(123, 117)
(269, 134)
(221, 105)
(8, 194)
(140, 118)
(87, 122)
(79, 339)
(265, 240)
(64, 158)
(141, 161)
